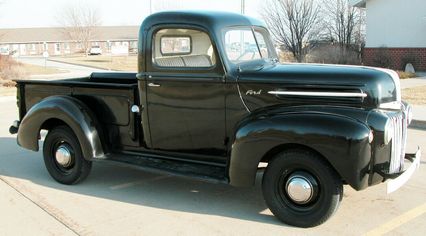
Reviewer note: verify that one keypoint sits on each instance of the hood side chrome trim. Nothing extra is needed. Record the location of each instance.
(319, 94)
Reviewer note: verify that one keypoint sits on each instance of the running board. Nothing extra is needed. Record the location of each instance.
(210, 173)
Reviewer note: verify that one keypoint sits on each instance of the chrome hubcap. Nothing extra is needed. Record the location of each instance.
(63, 156)
(300, 189)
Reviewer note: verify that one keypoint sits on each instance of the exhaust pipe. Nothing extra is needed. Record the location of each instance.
(14, 128)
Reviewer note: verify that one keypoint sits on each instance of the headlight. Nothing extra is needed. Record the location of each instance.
(389, 131)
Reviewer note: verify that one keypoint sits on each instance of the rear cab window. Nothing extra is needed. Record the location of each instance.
(175, 45)
(182, 48)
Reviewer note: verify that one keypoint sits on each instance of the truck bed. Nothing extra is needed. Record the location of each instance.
(109, 95)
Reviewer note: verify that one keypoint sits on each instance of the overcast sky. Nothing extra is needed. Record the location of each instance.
(43, 13)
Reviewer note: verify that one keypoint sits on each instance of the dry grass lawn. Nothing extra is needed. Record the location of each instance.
(117, 63)
(10, 70)
(406, 75)
(41, 70)
(21, 71)
(415, 96)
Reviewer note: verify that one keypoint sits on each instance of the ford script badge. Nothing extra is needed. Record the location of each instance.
(252, 92)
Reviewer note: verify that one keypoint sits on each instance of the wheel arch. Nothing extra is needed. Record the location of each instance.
(341, 141)
(288, 146)
(61, 110)
(52, 123)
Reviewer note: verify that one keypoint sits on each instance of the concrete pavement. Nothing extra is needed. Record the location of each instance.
(419, 116)
(121, 201)
(21, 216)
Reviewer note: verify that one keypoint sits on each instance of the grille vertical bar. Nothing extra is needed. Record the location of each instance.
(399, 141)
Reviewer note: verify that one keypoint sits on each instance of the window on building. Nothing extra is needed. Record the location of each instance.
(67, 46)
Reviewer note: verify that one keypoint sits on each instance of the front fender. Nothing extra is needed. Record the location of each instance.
(343, 141)
(70, 111)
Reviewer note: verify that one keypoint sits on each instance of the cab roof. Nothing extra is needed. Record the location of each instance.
(208, 19)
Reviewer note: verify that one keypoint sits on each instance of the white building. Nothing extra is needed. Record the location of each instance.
(396, 29)
(35, 41)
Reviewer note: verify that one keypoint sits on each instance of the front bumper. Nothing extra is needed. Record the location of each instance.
(398, 180)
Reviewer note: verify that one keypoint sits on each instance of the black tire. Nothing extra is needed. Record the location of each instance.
(77, 169)
(324, 199)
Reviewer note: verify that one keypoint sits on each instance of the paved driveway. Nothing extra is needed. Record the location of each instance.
(74, 70)
(122, 201)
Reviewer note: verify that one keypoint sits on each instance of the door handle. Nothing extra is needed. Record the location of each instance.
(154, 85)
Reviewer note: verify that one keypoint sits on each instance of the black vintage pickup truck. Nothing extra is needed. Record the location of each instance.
(211, 101)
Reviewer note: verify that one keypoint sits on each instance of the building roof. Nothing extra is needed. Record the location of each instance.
(358, 3)
(34, 35)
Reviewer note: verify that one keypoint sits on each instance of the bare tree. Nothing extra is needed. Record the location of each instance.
(344, 24)
(79, 23)
(293, 24)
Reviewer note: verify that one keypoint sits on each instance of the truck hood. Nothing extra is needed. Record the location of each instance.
(317, 84)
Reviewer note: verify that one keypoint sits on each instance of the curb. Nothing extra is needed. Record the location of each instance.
(77, 64)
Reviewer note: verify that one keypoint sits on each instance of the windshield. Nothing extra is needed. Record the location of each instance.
(247, 44)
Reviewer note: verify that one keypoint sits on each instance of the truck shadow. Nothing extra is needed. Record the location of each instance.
(142, 188)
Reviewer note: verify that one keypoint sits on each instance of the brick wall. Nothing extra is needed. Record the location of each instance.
(395, 58)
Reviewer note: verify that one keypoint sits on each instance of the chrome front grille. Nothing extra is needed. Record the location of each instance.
(399, 141)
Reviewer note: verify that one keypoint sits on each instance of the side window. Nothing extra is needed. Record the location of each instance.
(241, 45)
(182, 48)
(262, 44)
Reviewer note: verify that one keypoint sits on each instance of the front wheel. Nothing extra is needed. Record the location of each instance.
(301, 189)
(63, 156)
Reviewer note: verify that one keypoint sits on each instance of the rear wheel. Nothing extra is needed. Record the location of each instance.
(301, 189)
(63, 156)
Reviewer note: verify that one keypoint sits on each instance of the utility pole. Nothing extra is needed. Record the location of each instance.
(242, 42)
(150, 7)
(243, 7)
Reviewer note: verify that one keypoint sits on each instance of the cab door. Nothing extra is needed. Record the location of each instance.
(185, 93)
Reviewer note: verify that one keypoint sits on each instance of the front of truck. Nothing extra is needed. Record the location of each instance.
(390, 120)
(373, 93)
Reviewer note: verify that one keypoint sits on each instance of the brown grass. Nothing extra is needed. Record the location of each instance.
(13, 70)
(117, 63)
(415, 96)
(9, 69)
(405, 75)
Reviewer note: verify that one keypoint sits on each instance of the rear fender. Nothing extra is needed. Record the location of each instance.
(341, 140)
(70, 111)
